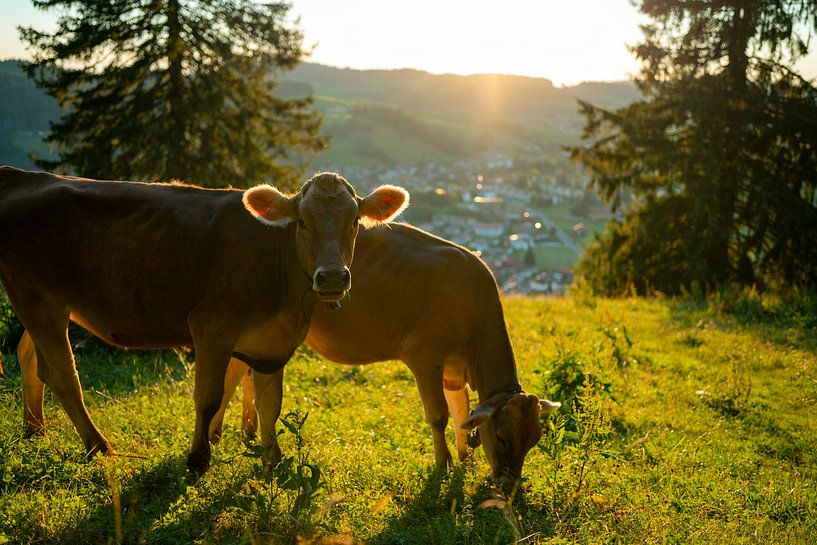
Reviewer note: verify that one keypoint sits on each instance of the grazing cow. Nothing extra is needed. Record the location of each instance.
(229, 272)
(435, 306)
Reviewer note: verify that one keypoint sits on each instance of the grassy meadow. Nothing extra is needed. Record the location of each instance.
(685, 422)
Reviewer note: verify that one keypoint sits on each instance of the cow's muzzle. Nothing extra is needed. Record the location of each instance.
(505, 479)
(331, 283)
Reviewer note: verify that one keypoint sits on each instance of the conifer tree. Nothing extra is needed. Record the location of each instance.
(173, 89)
(715, 169)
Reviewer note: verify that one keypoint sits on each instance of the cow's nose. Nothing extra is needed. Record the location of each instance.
(332, 279)
(505, 479)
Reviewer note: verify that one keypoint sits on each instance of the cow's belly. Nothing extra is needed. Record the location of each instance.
(339, 346)
(354, 338)
(340, 350)
(131, 331)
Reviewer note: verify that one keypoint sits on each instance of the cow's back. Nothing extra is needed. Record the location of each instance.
(411, 291)
(130, 260)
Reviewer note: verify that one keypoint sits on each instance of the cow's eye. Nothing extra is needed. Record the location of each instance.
(501, 441)
(356, 222)
(302, 224)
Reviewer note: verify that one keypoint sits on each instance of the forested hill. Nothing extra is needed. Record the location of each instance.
(24, 112)
(512, 98)
(381, 117)
(23, 107)
(399, 116)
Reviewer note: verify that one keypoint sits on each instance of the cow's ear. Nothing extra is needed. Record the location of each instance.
(546, 406)
(383, 205)
(480, 414)
(270, 206)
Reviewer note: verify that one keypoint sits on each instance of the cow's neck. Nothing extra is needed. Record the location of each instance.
(282, 309)
(493, 366)
(286, 286)
(299, 287)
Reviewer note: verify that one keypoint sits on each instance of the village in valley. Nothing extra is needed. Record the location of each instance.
(528, 224)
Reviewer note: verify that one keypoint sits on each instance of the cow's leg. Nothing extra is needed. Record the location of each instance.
(56, 368)
(236, 370)
(211, 367)
(269, 393)
(458, 405)
(33, 387)
(249, 416)
(429, 378)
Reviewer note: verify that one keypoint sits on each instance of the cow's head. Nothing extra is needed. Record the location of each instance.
(328, 213)
(508, 428)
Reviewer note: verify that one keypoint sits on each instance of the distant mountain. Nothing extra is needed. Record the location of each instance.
(23, 106)
(24, 113)
(512, 98)
(396, 116)
(381, 117)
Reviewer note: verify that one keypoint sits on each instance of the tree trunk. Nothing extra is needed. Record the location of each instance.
(725, 266)
(174, 159)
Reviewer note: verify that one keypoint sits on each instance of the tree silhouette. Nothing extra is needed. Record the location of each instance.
(715, 169)
(173, 89)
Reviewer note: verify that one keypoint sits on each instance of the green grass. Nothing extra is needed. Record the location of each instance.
(552, 258)
(690, 423)
(373, 133)
(594, 222)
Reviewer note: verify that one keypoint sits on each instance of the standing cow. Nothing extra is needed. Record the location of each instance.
(155, 265)
(435, 306)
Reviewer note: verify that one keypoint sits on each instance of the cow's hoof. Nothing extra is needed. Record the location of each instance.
(444, 465)
(272, 456)
(34, 430)
(198, 463)
(98, 447)
(249, 426)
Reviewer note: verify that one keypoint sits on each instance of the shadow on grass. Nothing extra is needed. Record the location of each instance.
(143, 501)
(441, 514)
(427, 517)
(112, 371)
(787, 325)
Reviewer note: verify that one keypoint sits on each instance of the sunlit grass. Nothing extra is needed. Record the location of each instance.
(679, 453)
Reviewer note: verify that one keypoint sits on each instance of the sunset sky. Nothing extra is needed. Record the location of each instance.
(565, 41)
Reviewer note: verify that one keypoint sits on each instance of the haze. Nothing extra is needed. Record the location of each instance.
(565, 41)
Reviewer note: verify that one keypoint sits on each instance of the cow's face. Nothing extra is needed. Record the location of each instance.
(508, 428)
(328, 215)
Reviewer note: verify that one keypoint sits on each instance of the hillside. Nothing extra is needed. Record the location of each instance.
(386, 117)
(510, 98)
(698, 429)
(24, 112)
(382, 117)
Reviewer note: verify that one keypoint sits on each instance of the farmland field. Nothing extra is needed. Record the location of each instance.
(685, 422)
(554, 258)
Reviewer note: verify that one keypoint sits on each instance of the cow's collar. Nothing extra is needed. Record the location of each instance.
(514, 388)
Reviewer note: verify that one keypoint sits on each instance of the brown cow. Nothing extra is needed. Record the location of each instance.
(154, 265)
(434, 305)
